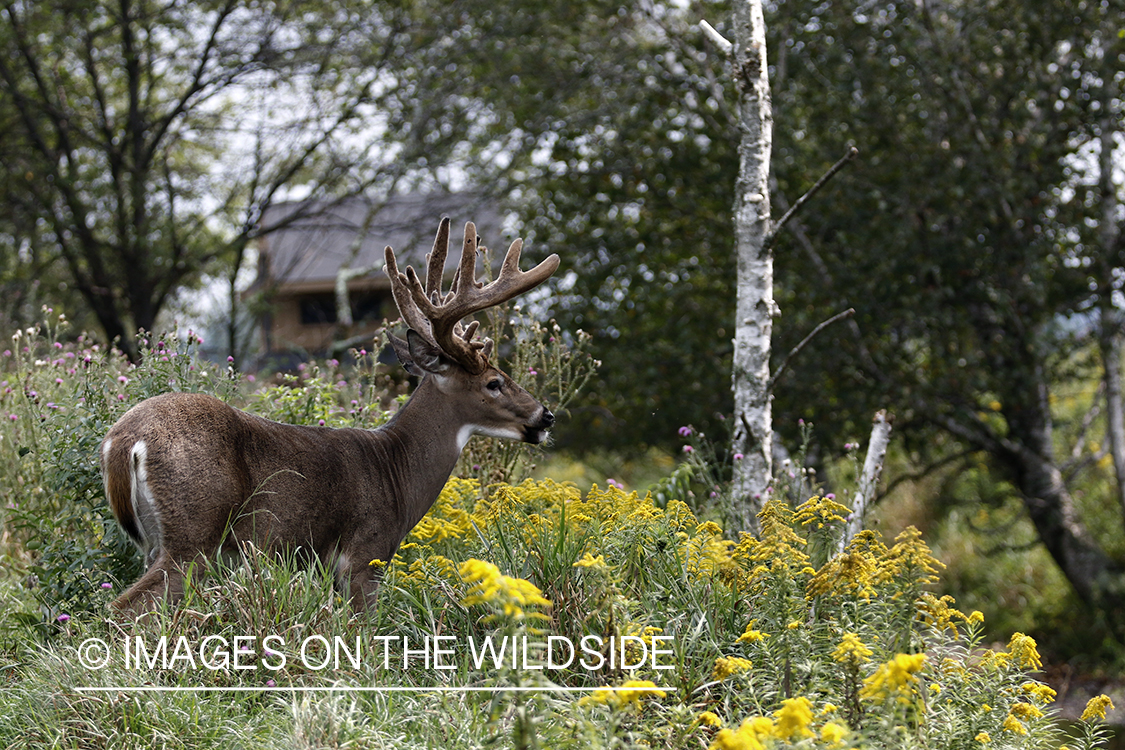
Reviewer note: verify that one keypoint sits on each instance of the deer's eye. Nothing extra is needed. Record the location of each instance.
(495, 385)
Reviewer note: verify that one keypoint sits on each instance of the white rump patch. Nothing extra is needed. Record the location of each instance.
(144, 505)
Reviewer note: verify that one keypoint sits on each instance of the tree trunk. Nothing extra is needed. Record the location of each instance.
(869, 478)
(1111, 338)
(755, 307)
(1097, 579)
(1029, 453)
(1112, 343)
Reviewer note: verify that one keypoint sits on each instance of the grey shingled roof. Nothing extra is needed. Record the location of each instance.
(312, 247)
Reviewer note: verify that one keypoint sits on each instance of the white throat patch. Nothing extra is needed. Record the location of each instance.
(467, 431)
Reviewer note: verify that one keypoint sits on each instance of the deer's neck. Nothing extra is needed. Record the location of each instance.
(426, 438)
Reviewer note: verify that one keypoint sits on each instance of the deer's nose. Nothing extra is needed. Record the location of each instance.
(548, 418)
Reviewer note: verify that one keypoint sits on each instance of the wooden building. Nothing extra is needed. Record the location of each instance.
(306, 244)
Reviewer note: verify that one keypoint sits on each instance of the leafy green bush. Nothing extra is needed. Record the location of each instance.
(699, 640)
(763, 649)
(63, 398)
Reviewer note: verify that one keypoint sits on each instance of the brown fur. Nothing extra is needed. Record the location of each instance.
(119, 490)
(219, 477)
(210, 477)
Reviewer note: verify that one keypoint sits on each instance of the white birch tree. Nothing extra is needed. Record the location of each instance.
(755, 307)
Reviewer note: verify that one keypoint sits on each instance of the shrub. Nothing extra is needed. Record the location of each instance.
(695, 639)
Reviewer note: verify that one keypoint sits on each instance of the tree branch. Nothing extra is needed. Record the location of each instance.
(848, 156)
(804, 342)
(872, 468)
(926, 471)
(720, 41)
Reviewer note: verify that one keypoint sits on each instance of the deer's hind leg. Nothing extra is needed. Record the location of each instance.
(164, 580)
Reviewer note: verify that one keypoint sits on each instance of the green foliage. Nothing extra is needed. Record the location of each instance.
(550, 363)
(761, 646)
(143, 145)
(753, 629)
(332, 398)
(63, 397)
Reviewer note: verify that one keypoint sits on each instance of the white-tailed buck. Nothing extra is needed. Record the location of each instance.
(189, 477)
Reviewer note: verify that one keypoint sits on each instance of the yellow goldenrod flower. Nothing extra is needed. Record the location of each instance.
(710, 527)
(856, 572)
(378, 563)
(829, 708)
(725, 666)
(589, 561)
(709, 719)
(628, 694)
(1039, 691)
(820, 510)
(894, 677)
(851, 651)
(1096, 708)
(779, 551)
(1023, 650)
(448, 519)
(986, 708)
(794, 625)
(992, 660)
(1014, 725)
(511, 595)
(938, 613)
(911, 557)
(833, 733)
(750, 635)
(679, 515)
(976, 617)
(750, 735)
(793, 719)
(1025, 711)
(983, 738)
(710, 554)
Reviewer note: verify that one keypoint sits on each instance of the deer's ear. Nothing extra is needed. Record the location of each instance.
(419, 356)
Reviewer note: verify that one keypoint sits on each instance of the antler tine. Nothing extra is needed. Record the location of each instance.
(468, 267)
(469, 296)
(437, 316)
(435, 261)
(401, 285)
(516, 281)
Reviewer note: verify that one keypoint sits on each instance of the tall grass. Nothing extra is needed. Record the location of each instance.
(728, 643)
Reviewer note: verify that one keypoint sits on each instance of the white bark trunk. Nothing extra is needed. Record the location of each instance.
(755, 307)
(869, 479)
(1112, 337)
(1115, 413)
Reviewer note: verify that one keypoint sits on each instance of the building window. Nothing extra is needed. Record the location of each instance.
(318, 309)
(367, 307)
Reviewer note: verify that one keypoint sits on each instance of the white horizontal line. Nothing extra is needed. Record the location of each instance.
(346, 689)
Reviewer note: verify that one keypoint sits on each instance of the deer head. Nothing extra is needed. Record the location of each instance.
(439, 344)
(188, 476)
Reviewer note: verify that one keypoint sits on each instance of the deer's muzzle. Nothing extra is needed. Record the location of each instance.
(537, 432)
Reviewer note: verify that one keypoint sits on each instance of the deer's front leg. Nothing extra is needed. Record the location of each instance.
(359, 578)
